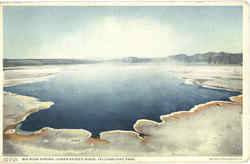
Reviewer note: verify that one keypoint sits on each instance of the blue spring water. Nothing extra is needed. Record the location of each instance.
(111, 99)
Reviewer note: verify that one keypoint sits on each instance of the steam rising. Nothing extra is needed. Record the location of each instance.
(115, 38)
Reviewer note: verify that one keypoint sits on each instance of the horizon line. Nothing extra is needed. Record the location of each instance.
(123, 57)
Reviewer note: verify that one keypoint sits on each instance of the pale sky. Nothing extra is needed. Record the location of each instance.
(117, 32)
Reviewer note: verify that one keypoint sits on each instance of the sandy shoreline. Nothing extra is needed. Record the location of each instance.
(14, 136)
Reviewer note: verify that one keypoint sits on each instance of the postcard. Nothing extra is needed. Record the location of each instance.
(124, 82)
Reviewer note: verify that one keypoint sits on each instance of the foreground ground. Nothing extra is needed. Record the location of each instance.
(212, 129)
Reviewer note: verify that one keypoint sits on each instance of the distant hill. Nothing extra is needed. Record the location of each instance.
(209, 58)
(205, 58)
(130, 60)
(37, 62)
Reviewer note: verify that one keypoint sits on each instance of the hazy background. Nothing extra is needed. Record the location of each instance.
(115, 32)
